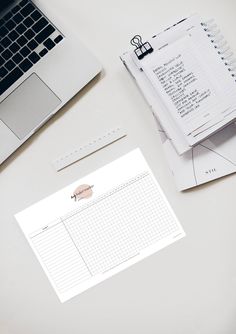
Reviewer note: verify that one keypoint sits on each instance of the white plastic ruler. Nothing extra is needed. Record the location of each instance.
(89, 148)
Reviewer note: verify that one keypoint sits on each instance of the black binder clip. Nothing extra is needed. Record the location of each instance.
(142, 49)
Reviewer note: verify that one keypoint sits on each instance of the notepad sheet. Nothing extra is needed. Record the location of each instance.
(178, 74)
(210, 160)
(100, 225)
(192, 83)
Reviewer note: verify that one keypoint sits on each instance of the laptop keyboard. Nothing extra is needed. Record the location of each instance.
(26, 36)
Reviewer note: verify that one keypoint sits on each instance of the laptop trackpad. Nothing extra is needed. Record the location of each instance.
(25, 108)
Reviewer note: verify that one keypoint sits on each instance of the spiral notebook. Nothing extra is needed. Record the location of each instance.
(190, 69)
(211, 159)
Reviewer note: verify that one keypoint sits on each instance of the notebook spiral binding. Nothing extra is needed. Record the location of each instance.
(222, 47)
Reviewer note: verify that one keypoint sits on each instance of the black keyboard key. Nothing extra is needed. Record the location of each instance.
(27, 10)
(10, 25)
(15, 9)
(10, 65)
(45, 33)
(38, 26)
(36, 15)
(3, 72)
(23, 3)
(7, 54)
(1, 22)
(7, 16)
(5, 42)
(22, 41)
(25, 51)
(25, 65)
(17, 58)
(32, 45)
(43, 52)
(28, 22)
(13, 35)
(3, 32)
(58, 39)
(21, 28)
(14, 47)
(2, 61)
(18, 18)
(1, 48)
(49, 44)
(29, 34)
(10, 79)
(34, 57)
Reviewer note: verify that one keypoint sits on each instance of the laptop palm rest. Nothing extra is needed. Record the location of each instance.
(27, 106)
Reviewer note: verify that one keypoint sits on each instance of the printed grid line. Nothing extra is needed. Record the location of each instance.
(108, 231)
(127, 222)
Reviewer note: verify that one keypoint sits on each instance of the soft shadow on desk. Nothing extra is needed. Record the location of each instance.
(207, 184)
(59, 114)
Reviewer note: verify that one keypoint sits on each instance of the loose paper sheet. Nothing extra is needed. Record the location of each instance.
(100, 225)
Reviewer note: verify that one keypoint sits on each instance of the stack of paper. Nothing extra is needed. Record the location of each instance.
(213, 157)
(193, 88)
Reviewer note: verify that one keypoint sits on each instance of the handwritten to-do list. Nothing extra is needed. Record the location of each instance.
(189, 93)
(179, 84)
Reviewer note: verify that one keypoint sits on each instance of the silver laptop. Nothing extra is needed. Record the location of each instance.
(42, 66)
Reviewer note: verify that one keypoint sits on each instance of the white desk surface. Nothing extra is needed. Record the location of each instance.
(187, 288)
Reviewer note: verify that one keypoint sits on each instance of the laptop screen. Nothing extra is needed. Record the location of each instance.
(4, 3)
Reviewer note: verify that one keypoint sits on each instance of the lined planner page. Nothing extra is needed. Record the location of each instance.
(178, 74)
(102, 224)
(187, 54)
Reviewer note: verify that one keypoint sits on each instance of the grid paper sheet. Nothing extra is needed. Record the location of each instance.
(122, 218)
